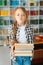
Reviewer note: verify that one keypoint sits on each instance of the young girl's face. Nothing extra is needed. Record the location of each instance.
(20, 17)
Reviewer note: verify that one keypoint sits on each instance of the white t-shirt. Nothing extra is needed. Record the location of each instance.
(21, 34)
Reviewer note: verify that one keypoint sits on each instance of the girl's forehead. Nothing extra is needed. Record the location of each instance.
(19, 11)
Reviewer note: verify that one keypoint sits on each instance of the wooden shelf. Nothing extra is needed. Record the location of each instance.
(38, 42)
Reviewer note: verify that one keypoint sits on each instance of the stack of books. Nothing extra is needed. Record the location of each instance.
(24, 49)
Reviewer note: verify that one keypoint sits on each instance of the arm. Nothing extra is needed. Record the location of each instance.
(31, 34)
(31, 41)
(12, 38)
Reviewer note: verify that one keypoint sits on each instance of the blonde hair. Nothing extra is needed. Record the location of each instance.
(14, 20)
(23, 9)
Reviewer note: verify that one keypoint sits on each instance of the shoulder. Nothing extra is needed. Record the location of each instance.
(29, 28)
(11, 26)
(10, 30)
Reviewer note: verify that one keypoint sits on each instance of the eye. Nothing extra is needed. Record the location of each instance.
(17, 14)
(23, 14)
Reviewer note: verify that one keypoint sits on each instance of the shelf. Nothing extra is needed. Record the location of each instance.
(5, 7)
(4, 26)
(41, 17)
(4, 35)
(41, 7)
(5, 16)
(34, 7)
(34, 17)
(40, 25)
(35, 25)
(18, 6)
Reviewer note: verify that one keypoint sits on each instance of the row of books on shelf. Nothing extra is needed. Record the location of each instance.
(4, 22)
(21, 2)
(3, 31)
(28, 12)
(7, 22)
(40, 21)
(4, 12)
(38, 30)
(4, 40)
(10, 12)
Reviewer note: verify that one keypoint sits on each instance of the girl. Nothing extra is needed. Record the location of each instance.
(20, 32)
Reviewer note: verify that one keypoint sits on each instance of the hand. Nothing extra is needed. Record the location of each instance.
(12, 49)
(13, 56)
(12, 53)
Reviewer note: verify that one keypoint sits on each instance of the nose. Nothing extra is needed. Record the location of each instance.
(20, 16)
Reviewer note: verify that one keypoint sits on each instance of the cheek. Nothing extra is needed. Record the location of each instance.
(24, 18)
(16, 18)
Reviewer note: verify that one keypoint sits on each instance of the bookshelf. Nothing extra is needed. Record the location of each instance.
(34, 10)
(4, 21)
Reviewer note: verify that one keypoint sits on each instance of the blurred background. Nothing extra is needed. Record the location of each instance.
(34, 10)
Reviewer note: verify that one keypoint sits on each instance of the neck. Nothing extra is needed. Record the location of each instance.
(21, 24)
